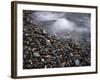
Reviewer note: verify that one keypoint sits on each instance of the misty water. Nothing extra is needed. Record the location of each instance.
(64, 24)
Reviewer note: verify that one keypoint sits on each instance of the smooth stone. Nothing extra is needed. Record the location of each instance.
(36, 54)
(63, 64)
(24, 56)
(26, 34)
(47, 56)
(48, 42)
(33, 49)
(71, 54)
(45, 66)
(42, 60)
(30, 61)
(77, 62)
(44, 31)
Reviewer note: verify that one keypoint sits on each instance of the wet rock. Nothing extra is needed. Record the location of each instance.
(42, 60)
(48, 56)
(45, 66)
(33, 49)
(28, 64)
(26, 34)
(77, 62)
(44, 31)
(63, 64)
(71, 54)
(36, 54)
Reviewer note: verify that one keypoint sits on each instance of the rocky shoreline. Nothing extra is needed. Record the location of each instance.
(42, 50)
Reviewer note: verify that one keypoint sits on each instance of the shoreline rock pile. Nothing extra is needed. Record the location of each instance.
(42, 50)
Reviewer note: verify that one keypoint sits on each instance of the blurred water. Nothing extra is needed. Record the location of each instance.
(64, 24)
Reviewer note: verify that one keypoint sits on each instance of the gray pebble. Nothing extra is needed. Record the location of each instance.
(77, 62)
(36, 54)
